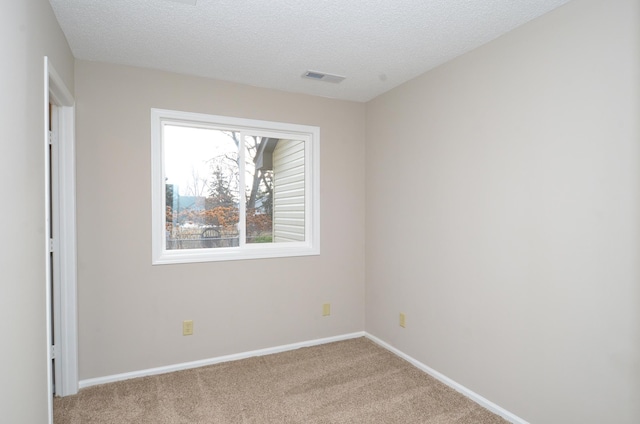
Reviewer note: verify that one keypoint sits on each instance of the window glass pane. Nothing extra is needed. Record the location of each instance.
(259, 188)
(201, 187)
(232, 189)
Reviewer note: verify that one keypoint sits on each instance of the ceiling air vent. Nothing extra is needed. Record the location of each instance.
(321, 76)
(191, 2)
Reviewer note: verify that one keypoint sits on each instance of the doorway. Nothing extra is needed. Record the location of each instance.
(60, 242)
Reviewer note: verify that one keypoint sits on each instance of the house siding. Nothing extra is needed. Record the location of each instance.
(288, 195)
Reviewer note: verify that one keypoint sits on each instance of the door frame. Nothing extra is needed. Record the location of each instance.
(62, 300)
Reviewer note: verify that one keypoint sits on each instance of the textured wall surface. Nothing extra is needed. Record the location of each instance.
(28, 32)
(503, 205)
(131, 312)
(375, 45)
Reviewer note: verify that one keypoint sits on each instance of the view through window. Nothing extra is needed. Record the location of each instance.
(228, 188)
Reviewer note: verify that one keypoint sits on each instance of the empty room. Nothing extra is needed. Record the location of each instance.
(320, 211)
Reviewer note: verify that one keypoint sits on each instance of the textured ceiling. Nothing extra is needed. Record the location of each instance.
(375, 44)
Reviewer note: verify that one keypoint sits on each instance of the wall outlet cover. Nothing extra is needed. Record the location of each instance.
(187, 327)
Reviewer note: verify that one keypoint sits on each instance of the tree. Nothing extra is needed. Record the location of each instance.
(261, 184)
(197, 185)
(169, 205)
(221, 206)
(220, 189)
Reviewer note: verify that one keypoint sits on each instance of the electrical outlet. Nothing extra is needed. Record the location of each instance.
(403, 320)
(326, 309)
(187, 327)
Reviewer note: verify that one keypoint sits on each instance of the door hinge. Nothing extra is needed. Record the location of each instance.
(51, 244)
(53, 137)
(53, 352)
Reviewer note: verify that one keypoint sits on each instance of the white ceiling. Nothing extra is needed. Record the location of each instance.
(375, 44)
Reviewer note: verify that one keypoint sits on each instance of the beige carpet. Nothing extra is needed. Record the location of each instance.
(353, 381)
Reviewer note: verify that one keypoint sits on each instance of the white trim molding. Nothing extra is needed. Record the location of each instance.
(46, 242)
(485, 403)
(64, 296)
(204, 362)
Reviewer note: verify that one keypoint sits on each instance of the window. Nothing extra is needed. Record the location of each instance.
(228, 188)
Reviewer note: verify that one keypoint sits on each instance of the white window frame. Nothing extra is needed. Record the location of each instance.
(311, 137)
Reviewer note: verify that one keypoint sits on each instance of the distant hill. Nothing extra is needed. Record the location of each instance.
(193, 203)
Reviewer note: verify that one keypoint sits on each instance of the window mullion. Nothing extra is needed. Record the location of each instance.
(163, 191)
(242, 206)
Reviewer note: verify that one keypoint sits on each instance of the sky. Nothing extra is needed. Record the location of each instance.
(188, 151)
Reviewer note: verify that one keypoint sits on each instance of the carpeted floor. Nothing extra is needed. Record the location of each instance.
(353, 381)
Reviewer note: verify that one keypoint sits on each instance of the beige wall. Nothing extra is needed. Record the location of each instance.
(131, 313)
(503, 203)
(502, 218)
(28, 32)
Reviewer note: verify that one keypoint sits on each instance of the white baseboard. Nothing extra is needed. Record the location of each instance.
(449, 382)
(201, 363)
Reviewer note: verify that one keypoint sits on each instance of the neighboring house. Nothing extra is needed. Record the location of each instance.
(288, 191)
(286, 159)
